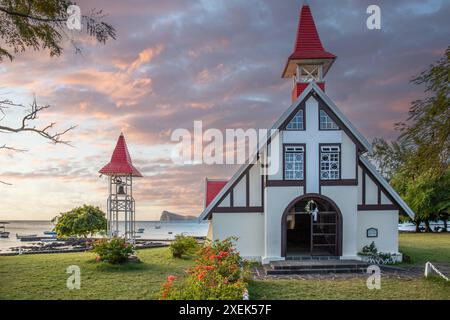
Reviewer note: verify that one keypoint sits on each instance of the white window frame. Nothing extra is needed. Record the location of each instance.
(330, 169)
(325, 121)
(297, 123)
(297, 173)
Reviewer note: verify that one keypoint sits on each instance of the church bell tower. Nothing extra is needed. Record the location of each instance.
(309, 61)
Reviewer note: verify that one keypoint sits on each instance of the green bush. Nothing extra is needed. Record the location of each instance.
(183, 245)
(218, 274)
(113, 251)
(80, 221)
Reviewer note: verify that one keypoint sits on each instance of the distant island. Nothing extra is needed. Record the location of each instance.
(170, 216)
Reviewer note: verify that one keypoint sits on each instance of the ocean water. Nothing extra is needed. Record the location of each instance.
(153, 230)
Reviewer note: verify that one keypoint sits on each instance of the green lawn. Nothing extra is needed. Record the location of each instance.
(350, 289)
(44, 277)
(423, 247)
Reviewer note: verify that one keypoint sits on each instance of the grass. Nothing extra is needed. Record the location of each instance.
(44, 277)
(350, 289)
(423, 247)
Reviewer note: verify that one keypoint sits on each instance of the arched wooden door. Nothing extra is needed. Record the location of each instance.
(306, 234)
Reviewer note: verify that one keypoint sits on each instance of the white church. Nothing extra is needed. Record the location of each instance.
(325, 199)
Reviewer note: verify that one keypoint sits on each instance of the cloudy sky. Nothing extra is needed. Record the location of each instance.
(177, 61)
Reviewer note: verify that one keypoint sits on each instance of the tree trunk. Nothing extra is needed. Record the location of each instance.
(427, 226)
(417, 223)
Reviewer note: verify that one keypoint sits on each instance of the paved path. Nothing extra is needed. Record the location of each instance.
(258, 273)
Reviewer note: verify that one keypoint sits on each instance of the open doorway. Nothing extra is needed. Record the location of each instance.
(311, 227)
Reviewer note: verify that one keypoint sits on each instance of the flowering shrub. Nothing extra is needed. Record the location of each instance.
(183, 245)
(218, 274)
(113, 251)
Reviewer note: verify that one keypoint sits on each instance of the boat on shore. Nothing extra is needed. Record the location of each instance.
(140, 230)
(3, 232)
(50, 233)
(23, 236)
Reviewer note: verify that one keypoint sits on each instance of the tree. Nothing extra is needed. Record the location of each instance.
(417, 164)
(427, 195)
(389, 157)
(32, 24)
(38, 25)
(427, 129)
(80, 221)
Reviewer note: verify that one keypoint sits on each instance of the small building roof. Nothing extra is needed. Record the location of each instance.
(120, 163)
(213, 187)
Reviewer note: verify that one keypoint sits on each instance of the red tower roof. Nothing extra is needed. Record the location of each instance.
(213, 187)
(120, 163)
(307, 45)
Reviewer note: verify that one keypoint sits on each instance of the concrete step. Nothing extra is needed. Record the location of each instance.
(315, 271)
(308, 258)
(316, 266)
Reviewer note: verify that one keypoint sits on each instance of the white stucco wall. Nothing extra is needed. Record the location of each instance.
(248, 227)
(384, 199)
(209, 235)
(345, 198)
(371, 191)
(239, 193)
(255, 185)
(225, 202)
(387, 224)
(348, 158)
(277, 199)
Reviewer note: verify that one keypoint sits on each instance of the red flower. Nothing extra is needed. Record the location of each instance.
(172, 279)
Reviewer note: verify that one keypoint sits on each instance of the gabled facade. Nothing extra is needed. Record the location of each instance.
(325, 198)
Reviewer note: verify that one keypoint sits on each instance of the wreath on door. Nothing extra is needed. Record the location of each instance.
(311, 208)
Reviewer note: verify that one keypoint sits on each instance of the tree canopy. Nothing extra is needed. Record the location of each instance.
(417, 164)
(81, 221)
(39, 25)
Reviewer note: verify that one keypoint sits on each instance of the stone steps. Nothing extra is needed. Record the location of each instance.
(315, 267)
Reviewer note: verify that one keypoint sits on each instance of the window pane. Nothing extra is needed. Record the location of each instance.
(329, 164)
(326, 123)
(296, 122)
(293, 166)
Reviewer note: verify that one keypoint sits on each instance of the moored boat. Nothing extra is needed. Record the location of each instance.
(21, 236)
(3, 232)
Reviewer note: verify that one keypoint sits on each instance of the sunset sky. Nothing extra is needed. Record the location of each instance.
(177, 61)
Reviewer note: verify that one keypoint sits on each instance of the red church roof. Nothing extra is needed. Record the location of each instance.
(308, 44)
(120, 163)
(213, 187)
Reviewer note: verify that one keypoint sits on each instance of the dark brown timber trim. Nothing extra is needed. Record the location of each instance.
(247, 189)
(237, 209)
(341, 182)
(285, 183)
(377, 207)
